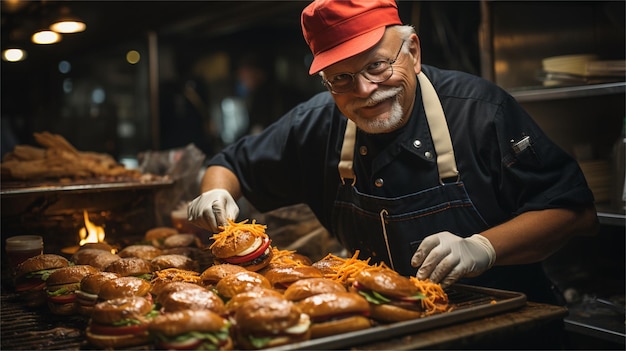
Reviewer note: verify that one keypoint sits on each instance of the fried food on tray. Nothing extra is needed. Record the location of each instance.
(59, 159)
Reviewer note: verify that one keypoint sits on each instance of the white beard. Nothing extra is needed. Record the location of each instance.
(377, 126)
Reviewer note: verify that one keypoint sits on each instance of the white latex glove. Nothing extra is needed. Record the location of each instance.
(212, 209)
(444, 257)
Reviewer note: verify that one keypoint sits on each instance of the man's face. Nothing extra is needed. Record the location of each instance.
(380, 107)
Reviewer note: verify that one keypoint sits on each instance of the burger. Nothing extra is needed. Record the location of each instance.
(239, 282)
(120, 323)
(281, 258)
(89, 288)
(101, 245)
(94, 257)
(269, 322)
(174, 261)
(156, 236)
(191, 330)
(131, 266)
(147, 252)
(243, 244)
(336, 313)
(191, 299)
(392, 297)
(236, 301)
(304, 288)
(282, 277)
(31, 276)
(160, 291)
(61, 287)
(181, 240)
(212, 275)
(124, 287)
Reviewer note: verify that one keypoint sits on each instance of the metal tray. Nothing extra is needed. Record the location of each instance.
(468, 302)
(84, 185)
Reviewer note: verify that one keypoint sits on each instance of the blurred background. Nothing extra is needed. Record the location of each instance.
(155, 75)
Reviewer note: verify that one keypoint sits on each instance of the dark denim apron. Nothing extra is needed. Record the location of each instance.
(390, 229)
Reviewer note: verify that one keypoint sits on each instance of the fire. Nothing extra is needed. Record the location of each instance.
(91, 233)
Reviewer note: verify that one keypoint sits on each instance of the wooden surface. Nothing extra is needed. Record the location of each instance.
(527, 327)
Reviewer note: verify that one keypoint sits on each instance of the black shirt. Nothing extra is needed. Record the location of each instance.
(295, 159)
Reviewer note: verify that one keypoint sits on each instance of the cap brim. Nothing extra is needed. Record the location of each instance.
(346, 49)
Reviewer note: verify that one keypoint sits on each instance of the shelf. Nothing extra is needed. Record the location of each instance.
(546, 94)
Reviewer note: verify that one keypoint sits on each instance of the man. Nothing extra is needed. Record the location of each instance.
(439, 174)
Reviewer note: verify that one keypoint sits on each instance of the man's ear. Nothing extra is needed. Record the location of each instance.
(416, 53)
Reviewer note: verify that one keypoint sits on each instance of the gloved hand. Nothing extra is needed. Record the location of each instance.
(444, 257)
(212, 209)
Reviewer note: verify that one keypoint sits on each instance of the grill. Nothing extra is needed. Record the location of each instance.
(38, 329)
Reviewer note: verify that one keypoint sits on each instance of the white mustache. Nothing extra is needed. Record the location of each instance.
(378, 96)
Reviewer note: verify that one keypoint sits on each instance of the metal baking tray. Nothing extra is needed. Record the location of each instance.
(467, 302)
(13, 188)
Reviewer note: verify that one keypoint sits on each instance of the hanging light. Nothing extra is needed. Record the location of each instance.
(67, 23)
(14, 55)
(46, 37)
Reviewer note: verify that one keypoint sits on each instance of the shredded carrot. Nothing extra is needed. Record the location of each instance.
(233, 228)
(347, 270)
(284, 257)
(177, 275)
(436, 300)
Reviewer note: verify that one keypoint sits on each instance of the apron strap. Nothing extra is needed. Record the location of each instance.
(446, 162)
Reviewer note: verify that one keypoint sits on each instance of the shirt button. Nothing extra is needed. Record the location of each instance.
(379, 182)
(363, 150)
(428, 154)
(417, 144)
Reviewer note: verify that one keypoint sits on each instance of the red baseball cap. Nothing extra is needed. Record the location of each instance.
(338, 29)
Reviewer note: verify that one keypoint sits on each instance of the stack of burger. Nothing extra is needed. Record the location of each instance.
(251, 295)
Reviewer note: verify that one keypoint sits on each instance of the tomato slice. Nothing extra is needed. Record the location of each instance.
(61, 299)
(103, 329)
(250, 256)
(189, 344)
(34, 284)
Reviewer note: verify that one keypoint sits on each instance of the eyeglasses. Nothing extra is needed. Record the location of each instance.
(376, 72)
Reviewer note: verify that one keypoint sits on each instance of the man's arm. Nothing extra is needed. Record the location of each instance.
(218, 177)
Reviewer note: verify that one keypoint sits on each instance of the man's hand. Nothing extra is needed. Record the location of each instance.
(444, 257)
(212, 209)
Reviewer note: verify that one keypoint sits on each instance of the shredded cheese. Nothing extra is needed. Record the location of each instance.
(284, 257)
(233, 228)
(436, 300)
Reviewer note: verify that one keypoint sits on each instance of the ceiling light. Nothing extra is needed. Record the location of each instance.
(46, 37)
(14, 55)
(67, 23)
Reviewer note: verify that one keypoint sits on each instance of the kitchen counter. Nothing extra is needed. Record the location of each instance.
(534, 326)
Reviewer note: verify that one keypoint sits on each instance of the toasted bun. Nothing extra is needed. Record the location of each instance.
(167, 288)
(180, 322)
(115, 310)
(69, 275)
(391, 313)
(267, 315)
(123, 287)
(282, 277)
(159, 233)
(239, 243)
(339, 326)
(312, 286)
(333, 304)
(387, 282)
(196, 299)
(41, 262)
(34, 298)
(328, 264)
(215, 273)
(147, 252)
(130, 266)
(97, 246)
(181, 240)
(174, 261)
(103, 260)
(108, 342)
(236, 283)
(63, 309)
(236, 301)
(92, 282)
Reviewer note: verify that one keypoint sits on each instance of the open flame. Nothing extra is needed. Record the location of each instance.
(91, 233)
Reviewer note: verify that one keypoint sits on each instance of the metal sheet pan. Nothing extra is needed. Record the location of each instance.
(468, 302)
(84, 185)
